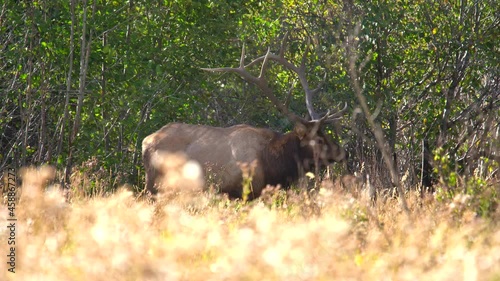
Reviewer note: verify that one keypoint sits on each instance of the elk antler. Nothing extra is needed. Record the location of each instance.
(260, 82)
(329, 117)
(263, 85)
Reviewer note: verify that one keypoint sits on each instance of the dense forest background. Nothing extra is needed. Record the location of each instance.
(83, 82)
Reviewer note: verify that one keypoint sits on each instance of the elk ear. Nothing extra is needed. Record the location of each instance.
(301, 130)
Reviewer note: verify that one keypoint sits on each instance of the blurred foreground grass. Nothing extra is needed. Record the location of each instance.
(330, 235)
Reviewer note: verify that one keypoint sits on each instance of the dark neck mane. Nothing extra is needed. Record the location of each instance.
(280, 159)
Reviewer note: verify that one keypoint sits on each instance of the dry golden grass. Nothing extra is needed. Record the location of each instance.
(330, 235)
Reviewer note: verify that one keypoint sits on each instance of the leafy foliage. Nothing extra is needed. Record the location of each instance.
(87, 80)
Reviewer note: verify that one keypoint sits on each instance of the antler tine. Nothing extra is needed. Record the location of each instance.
(264, 64)
(238, 70)
(304, 55)
(289, 95)
(317, 89)
(283, 45)
(300, 71)
(260, 81)
(330, 117)
(340, 112)
(242, 59)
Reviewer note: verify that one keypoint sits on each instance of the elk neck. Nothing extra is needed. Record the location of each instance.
(282, 159)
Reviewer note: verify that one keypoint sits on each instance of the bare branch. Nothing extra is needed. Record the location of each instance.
(352, 56)
(242, 59)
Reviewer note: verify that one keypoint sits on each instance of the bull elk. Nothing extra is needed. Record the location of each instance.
(275, 158)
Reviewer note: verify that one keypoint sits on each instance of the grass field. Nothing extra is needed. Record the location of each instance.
(327, 235)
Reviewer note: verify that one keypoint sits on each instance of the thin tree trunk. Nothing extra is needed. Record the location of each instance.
(127, 35)
(26, 110)
(84, 59)
(42, 139)
(352, 56)
(104, 114)
(68, 79)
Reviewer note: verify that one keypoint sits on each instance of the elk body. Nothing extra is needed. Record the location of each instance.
(270, 158)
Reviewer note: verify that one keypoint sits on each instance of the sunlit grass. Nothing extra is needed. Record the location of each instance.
(325, 235)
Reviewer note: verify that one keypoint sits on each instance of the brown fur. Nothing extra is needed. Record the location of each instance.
(276, 158)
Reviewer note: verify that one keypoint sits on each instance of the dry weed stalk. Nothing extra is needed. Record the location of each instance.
(122, 238)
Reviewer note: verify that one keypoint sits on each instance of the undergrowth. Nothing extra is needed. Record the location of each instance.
(327, 234)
